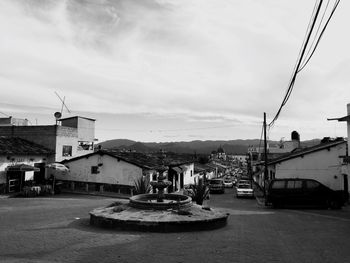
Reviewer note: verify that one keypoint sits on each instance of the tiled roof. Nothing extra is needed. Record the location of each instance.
(304, 151)
(18, 146)
(147, 161)
(153, 160)
(198, 167)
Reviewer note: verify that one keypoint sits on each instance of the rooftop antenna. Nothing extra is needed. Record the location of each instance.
(63, 104)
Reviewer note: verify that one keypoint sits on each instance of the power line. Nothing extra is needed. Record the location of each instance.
(315, 37)
(5, 114)
(321, 34)
(291, 84)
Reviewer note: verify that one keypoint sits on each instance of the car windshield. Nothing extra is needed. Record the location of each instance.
(243, 186)
(215, 182)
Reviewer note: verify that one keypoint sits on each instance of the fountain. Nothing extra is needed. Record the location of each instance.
(160, 212)
(160, 200)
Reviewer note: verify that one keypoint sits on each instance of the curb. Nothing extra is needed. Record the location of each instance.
(97, 194)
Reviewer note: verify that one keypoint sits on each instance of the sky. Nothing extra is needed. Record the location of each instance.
(173, 70)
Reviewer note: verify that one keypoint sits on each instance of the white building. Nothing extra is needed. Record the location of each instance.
(117, 172)
(322, 162)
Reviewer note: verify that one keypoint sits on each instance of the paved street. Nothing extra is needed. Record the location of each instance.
(57, 230)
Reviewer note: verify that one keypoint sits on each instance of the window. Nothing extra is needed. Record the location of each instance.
(294, 184)
(312, 184)
(94, 170)
(298, 184)
(278, 184)
(83, 145)
(67, 150)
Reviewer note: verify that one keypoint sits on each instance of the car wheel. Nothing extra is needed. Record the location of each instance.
(333, 204)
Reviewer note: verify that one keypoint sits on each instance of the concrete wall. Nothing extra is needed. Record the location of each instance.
(50, 136)
(13, 121)
(86, 127)
(188, 171)
(43, 135)
(111, 172)
(323, 166)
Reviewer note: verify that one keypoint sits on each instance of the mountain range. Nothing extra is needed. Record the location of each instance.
(199, 147)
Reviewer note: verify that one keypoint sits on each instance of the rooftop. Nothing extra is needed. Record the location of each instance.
(326, 143)
(18, 146)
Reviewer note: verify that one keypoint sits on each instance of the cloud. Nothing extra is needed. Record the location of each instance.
(196, 62)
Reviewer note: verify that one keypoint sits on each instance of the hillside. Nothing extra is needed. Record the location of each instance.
(200, 147)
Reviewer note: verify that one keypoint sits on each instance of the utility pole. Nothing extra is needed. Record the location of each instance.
(265, 155)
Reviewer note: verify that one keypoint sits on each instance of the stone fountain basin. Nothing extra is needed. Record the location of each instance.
(171, 201)
(130, 218)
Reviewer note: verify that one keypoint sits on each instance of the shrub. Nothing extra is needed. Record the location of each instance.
(200, 192)
(142, 186)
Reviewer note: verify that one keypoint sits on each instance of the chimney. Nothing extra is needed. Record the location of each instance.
(295, 139)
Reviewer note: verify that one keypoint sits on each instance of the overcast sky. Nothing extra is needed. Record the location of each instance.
(171, 70)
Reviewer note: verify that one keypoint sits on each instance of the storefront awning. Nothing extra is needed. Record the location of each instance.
(22, 168)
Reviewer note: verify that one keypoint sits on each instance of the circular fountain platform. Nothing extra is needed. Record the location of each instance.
(126, 216)
(171, 201)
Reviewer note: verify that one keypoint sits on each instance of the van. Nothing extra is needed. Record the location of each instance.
(302, 192)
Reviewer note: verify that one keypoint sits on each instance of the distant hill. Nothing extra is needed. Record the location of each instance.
(116, 143)
(200, 147)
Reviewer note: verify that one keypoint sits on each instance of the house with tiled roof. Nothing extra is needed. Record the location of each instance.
(21, 161)
(117, 171)
(206, 170)
(322, 162)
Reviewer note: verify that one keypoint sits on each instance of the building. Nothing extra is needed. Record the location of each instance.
(346, 157)
(204, 170)
(21, 162)
(74, 136)
(322, 162)
(255, 158)
(219, 154)
(118, 171)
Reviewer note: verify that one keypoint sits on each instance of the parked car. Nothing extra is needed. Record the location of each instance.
(302, 192)
(228, 183)
(244, 181)
(244, 190)
(217, 185)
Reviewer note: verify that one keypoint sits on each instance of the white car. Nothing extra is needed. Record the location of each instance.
(228, 183)
(244, 190)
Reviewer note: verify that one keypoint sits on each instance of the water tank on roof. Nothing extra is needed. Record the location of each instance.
(295, 136)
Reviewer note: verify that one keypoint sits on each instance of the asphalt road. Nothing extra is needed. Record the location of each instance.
(57, 230)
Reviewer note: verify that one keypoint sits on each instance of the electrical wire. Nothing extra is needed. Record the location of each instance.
(303, 48)
(303, 61)
(318, 29)
(321, 34)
